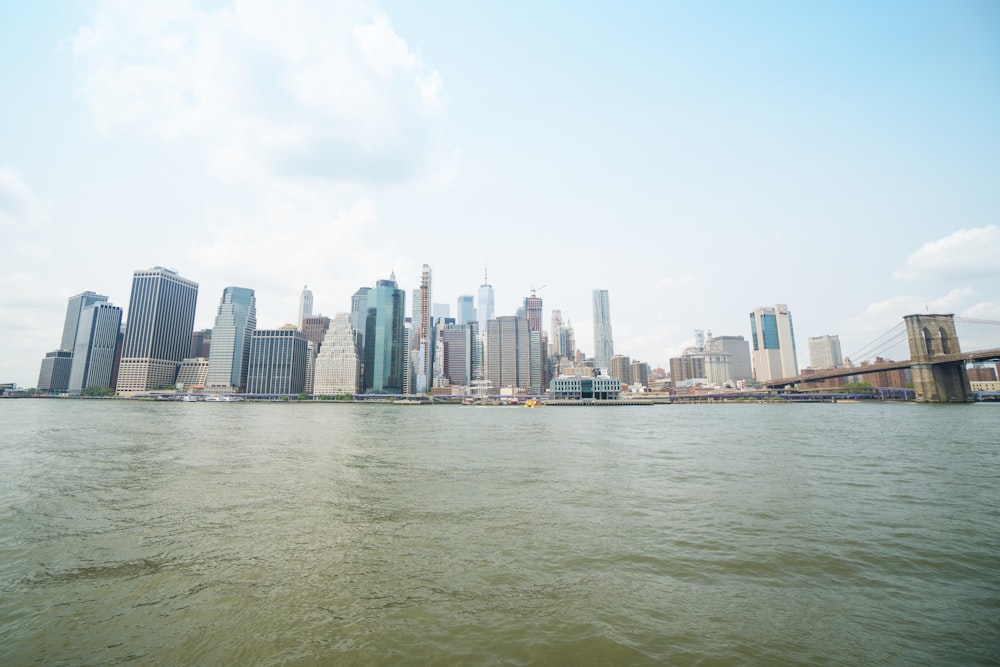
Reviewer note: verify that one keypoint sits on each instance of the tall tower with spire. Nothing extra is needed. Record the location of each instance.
(484, 307)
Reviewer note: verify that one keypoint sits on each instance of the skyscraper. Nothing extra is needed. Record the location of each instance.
(425, 336)
(338, 365)
(277, 361)
(773, 343)
(738, 350)
(533, 311)
(384, 338)
(484, 308)
(555, 331)
(508, 353)
(604, 347)
(466, 309)
(229, 355)
(824, 352)
(359, 314)
(55, 371)
(315, 328)
(457, 342)
(305, 304)
(73, 310)
(201, 344)
(96, 338)
(57, 365)
(159, 329)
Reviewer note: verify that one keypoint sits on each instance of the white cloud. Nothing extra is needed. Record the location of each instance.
(326, 90)
(967, 254)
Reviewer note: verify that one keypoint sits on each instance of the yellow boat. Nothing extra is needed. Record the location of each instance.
(533, 403)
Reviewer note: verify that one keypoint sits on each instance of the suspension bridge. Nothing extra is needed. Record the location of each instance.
(936, 359)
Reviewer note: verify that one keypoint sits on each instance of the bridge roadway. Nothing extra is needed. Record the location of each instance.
(830, 373)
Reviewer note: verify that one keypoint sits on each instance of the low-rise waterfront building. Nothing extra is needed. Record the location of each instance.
(585, 388)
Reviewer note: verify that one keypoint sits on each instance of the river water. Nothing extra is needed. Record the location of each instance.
(310, 534)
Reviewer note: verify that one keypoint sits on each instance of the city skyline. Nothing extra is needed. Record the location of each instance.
(833, 158)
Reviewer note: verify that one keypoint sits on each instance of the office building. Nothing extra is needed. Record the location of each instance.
(338, 365)
(533, 311)
(604, 347)
(620, 368)
(192, 375)
(640, 373)
(738, 349)
(484, 307)
(229, 355)
(824, 352)
(277, 361)
(307, 386)
(555, 331)
(773, 343)
(508, 363)
(315, 328)
(201, 344)
(55, 370)
(359, 313)
(72, 322)
(422, 330)
(466, 309)
(159, 329)
(305, 305)
(53, 377)
(457, 352)
(385, 356)
(96, 339)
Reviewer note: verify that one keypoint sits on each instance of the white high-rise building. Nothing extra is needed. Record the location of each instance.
(773, 343)
(824, 352)
(338, 366)
(555, 327)
(604, 347)
(305, 305)
(484, 307)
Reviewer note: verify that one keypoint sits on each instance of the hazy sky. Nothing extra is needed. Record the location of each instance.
(696, 159)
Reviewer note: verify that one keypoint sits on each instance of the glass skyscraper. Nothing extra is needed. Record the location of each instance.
(466, 309)
(159, 329)
(484, 309)
(385, 347)
(94, 357)
(604, 347)
(57, 366)
(229, 355)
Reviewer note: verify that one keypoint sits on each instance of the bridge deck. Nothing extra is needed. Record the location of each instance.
(828, 374)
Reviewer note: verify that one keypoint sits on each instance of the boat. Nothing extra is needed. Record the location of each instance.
(533, 403)
(188, 398)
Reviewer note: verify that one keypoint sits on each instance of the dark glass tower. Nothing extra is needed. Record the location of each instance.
(385, 349)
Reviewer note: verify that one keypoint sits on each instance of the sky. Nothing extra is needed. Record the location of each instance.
(696, 159)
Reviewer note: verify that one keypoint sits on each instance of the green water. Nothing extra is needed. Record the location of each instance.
(262, 534)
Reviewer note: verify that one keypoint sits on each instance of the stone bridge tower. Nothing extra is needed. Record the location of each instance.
(938, 376)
